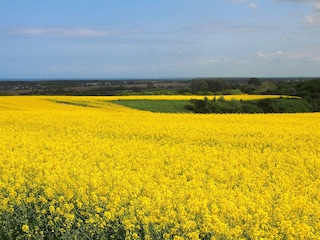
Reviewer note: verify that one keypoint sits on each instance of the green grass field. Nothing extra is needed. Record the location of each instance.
(165, 106)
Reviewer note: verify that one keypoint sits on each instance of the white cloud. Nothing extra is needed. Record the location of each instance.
(269, 55)
(213, 60)
(62, 32)
(301, 55)
(228, 27)
(253, 6)
(297, 1)
(312, 19)
(219, 61)
(236, 0)
(304, 55)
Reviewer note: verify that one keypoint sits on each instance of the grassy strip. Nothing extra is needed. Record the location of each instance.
(75, 103)
(165, 106)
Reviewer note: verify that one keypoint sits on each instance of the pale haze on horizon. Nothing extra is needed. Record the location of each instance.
(159, 39)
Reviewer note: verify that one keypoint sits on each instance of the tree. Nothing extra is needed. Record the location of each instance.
(254, 81)
(199, 85)
(217, 85)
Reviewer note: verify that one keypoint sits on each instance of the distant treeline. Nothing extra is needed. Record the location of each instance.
(308, 91)
(305, 88)
(276, 105)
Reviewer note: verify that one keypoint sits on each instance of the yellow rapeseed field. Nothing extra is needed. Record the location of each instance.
(85, 168)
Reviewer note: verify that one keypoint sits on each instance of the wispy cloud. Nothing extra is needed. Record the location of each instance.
(128, 36)
(219, 61)
(269, 55)
(228, 27)
(62, 32)
(251, 5)
(236, 0)
(213, 60)
(312, 19)
(296, 1)
(302, 55)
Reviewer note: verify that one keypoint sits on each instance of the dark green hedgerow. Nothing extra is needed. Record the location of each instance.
(277, 105)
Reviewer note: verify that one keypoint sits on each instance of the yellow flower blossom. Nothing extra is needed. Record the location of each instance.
(25, 228)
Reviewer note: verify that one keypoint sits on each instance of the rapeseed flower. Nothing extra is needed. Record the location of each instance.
(99, 169)
(25, 228)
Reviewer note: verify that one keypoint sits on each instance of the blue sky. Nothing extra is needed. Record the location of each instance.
(159, 38)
